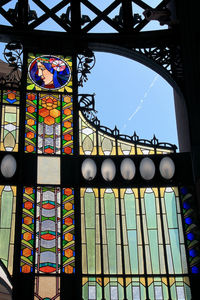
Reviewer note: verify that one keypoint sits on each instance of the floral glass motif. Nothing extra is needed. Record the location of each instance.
(49, 72)
(49, 127)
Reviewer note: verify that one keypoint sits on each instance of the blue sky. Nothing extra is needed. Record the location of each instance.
(128, 94)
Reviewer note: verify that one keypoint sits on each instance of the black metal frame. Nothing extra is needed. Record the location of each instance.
(162, 48)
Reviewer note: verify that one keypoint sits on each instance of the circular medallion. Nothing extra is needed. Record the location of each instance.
(49, 72)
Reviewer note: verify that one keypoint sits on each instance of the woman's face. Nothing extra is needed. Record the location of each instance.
(45, 75)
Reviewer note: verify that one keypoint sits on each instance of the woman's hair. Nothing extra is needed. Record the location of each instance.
(59, 77)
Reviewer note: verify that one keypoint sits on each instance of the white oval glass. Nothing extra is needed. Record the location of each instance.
(89, 169)
(167, 168)
(8, 166)
(147, 168)
(127, 169)
(108, 169)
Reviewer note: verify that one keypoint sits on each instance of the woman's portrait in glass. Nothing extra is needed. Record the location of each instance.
(49, 72)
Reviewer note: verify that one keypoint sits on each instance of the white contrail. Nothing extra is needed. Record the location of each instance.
(142, 100)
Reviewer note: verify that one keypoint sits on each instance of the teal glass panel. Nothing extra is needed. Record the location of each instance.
(7, 225)
(91, 255)
(152, 232)
(174, 233)
(131, 232)
(111, 232)
(113, 288)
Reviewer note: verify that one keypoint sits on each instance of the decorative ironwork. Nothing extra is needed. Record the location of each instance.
(160, 55)
(168, 57)
(119, 19)
(14, 13)
(118, 23)
(162, 16)
(86, 63)
(12, 54)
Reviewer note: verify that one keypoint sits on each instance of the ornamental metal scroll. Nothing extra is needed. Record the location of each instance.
(13, 56)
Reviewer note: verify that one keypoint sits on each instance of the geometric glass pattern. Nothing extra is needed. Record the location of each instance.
(132, 238)
(68, 231)
(9, 128)
(51, 129)
(30, 123)
(122, 234)
(48, 230)
(27, 235)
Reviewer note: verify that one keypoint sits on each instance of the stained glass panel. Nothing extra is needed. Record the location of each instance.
(47, 288)
(67, 124)
(153, 239)
(30, 123)
(107, 144)
(7, 225)
(11, 97)
(49, 127)
(68, 230)
(48, 170)
(87, 137)
(111, 238)
(174, 238)
(49, 72)
(91, 288)
(48, 230)
(132, 239)
(9, 128)
(157, 288)
(113, 288)
(90, 235)
(27, 235)
(180, 288)
(136, 288)
(125, 148)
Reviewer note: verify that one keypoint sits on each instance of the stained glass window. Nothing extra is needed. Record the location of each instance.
(48, 213)
(129, 240)
(129, 224)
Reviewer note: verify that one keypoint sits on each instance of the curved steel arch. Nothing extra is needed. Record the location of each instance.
(141, 58)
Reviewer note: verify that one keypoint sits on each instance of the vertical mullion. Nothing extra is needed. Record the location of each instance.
(101, 243)
(1, 103)
(164, 244)
(78, 250)
(56, 227)
(127, 15)
(122, 243)
(143, 242)
(37, 121)
(77, 200)
(75, 16)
